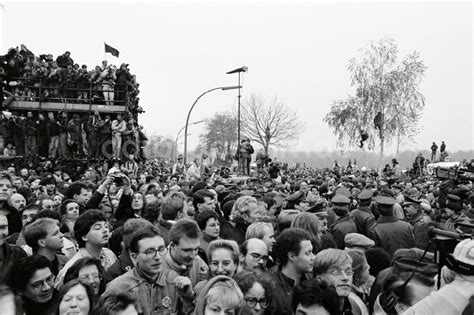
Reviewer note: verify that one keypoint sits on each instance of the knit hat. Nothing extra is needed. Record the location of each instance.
(464, 252)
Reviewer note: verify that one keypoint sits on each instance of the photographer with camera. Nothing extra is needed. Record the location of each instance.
(454, 215)
(452, 298)
(108, 77)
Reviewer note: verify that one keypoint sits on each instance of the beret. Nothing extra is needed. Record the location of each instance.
(365, 194)
(338, 198)
(385, 200)
(358, 240)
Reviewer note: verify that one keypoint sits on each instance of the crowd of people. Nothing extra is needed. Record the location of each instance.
(67, 135)
(71, 136)
(42, 78)
(156, 237)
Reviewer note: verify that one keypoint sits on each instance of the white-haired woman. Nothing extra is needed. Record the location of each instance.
(244, 212)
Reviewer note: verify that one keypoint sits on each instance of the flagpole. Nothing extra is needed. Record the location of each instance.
(105, 54)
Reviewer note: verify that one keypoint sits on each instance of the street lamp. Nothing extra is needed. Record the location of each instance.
(239, 71)
(223, 88)
(177, 136)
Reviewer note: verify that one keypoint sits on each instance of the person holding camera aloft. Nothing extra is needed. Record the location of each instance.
(108, 77)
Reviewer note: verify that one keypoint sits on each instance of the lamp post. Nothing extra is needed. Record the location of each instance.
(223, 88)
(239, 71)
(177, 136)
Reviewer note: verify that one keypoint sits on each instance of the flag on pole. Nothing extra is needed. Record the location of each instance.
(110, 49)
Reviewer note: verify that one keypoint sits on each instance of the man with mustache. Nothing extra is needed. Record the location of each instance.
(254, 254)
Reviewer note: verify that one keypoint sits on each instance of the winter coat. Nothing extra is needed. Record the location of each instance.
(391, 234)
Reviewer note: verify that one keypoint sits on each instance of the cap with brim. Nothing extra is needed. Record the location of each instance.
(385, 200)
(340, 199)
(358, 240)
(319, 209)
(365, 194)
(343, 191)
(411, 201)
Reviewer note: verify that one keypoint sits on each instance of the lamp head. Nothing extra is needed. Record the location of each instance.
(241, 69)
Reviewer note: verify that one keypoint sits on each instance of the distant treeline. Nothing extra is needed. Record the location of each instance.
(369, 159)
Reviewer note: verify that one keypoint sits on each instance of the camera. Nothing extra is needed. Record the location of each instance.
(118, 180)
(454, 173)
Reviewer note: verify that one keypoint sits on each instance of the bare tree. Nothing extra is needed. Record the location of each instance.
(159, 147)
(269, 123)
(221, 133)
(387, 103)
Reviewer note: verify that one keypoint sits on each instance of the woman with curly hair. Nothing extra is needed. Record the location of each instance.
(257, 289)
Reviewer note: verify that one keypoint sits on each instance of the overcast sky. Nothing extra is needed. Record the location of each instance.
(297, 51)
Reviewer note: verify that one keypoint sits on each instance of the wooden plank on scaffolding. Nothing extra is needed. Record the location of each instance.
(49, 106)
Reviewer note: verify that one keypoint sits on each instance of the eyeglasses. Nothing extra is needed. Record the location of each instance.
(93, 276)
(252, 302)
(339, 272)
(225, 264)
(257, 257)
(151, 252)
(38, 285)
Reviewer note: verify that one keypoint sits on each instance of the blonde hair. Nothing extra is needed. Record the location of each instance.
(227, 292)
(257, 230)
(328, 258)
(230, 245)
(241, 207)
